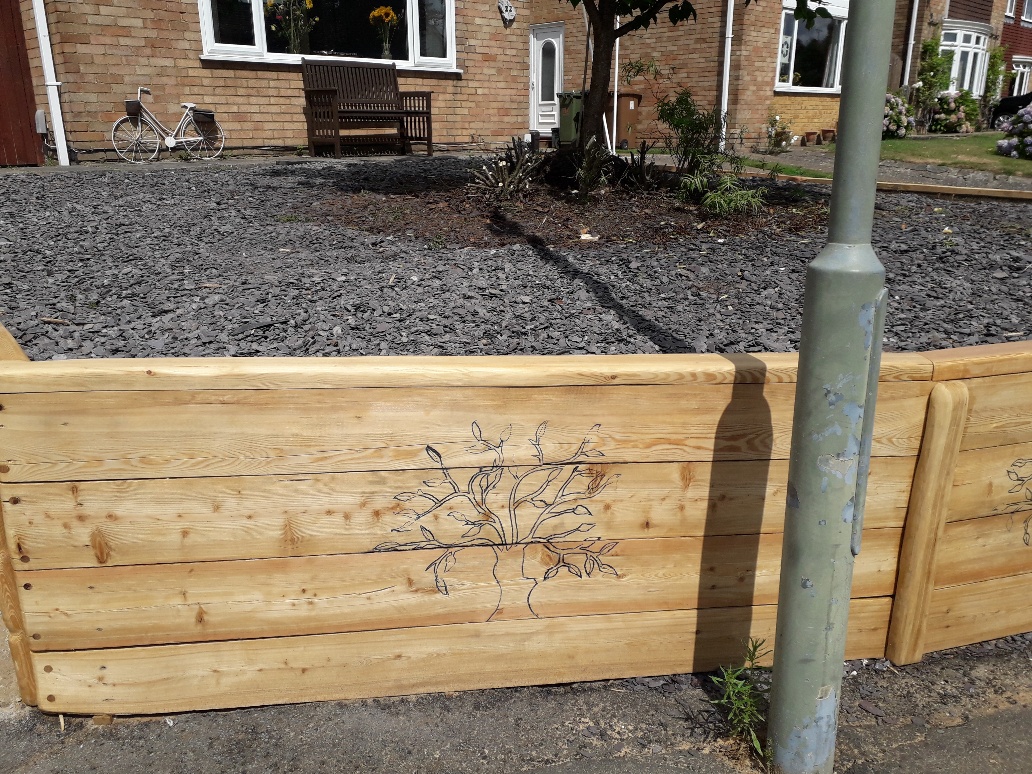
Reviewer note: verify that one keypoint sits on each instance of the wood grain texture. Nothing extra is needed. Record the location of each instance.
(415, 371)
(982, 549)
(253, 517)
(174, 678)
(10, 609)
(115, 435)
(163, 604)
(987, 360)
(24, 669)
(10, 350)
(981, 486)
(926, 517)
(974, 612)
(1000, 411)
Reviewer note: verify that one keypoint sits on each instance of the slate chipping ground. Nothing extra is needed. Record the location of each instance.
(190, 260)
(228, 260)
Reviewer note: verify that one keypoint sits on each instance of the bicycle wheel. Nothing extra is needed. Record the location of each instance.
(135, 139)
(203, 139)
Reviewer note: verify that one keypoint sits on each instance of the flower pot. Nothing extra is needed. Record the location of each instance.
(828, 135)
(810, 138)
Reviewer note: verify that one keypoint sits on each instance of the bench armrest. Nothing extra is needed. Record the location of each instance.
(415, 101)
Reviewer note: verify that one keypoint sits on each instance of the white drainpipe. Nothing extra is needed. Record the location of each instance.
(50, 81)
(910, 45)
(725, 79)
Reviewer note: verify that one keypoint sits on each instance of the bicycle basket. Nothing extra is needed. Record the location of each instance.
(204, 116)
(132, 107)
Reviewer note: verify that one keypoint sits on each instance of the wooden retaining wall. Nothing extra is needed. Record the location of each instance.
(190, 534)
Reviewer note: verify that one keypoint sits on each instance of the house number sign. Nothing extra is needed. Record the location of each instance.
(506, 9)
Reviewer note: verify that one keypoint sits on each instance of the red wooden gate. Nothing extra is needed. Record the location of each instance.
(19, 143)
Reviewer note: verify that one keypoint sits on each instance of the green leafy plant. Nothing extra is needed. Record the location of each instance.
(996, 77)
(596, 166)
(779, 135)
(933, 78)
(741, 699)
(721, 196)
(508, 175)
(641, 173)
(693, 135)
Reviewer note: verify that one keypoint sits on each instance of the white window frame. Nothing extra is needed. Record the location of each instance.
(977, 49)
(839, 9)
(1026, 11)
(1022, 69)
(1010, 8)
(260, 53)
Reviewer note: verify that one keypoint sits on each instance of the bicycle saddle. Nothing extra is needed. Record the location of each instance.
(189, 105)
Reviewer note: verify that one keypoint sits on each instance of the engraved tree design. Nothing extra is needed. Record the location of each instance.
(512, 509)
(1020, 472)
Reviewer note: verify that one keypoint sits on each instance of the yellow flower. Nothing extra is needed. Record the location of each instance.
(308, 4)
(383, 16)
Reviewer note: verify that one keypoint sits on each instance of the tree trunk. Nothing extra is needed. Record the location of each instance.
(514, 586)
(603, 36)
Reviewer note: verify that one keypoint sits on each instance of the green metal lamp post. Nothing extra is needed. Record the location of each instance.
(834, 412)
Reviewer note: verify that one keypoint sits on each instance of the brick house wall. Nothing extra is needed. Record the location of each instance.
(972, 10)
(105, 49)
(1017, 36)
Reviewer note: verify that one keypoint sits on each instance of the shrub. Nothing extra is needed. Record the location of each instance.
(1017, 142)
(694, 136)
(779, 135)
(722, 198)
(507, 175)
(955, 113)
(897, 122)
(995, 77)
(933, 78)
(595, 168)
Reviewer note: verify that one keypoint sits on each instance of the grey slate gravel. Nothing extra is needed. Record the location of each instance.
(196, 260)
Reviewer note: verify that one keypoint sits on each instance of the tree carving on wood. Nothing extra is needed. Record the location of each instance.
(533, 516)
(1020, 472)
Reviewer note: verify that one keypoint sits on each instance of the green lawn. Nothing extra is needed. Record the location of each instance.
(977, 151)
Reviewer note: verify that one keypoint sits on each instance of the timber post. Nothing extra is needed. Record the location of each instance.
(834, 411)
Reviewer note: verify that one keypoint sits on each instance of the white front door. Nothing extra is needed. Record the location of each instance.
(546, 75)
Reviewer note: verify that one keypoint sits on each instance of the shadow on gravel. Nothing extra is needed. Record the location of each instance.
(391, 175)
(667, 342)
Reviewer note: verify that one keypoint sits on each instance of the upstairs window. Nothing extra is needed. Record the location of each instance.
(1010, 8)
(811, 59)
(414, 33)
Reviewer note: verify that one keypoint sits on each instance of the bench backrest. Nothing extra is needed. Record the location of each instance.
(365, 85)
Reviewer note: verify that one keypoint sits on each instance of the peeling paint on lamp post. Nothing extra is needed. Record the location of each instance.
(839, 357)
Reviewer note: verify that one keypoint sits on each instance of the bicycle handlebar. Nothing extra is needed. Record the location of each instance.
(140, 91)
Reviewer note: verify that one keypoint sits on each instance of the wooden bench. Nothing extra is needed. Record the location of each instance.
(341, 97)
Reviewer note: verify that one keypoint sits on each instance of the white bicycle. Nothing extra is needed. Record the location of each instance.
(138, 136)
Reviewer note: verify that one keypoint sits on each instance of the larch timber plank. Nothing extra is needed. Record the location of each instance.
(417, 371)
(973, 612)
(1000, 411)
(176, 678)
(984, 549)
(926, 517)
(150, 521)
(981, 483)
(163, 604)
(986, 360)
(106, 435)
